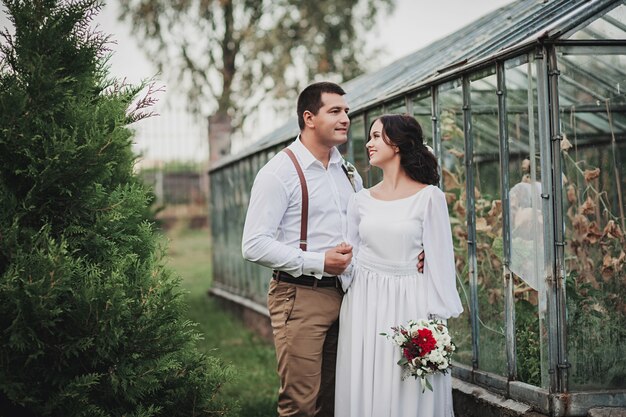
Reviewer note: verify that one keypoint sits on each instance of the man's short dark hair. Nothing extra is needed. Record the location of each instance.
(311, 98)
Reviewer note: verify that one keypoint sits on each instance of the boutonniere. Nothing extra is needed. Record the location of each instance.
(349, 169)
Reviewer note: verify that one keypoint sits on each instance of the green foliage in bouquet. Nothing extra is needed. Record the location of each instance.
(91, 323)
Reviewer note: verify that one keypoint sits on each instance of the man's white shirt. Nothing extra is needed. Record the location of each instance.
(271, 235)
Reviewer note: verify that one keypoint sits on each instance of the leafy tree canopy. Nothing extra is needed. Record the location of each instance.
(231, 54)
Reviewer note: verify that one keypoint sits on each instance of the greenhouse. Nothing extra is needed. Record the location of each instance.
(526, 111)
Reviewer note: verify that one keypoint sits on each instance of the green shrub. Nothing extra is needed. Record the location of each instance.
(91, 323)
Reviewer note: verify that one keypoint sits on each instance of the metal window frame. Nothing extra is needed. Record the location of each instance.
(556, 398)
(470, 211)
(509, 284)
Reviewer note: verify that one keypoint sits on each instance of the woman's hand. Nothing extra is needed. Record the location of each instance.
(420, 262)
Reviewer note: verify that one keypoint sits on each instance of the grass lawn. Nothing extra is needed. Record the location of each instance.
(256, 384)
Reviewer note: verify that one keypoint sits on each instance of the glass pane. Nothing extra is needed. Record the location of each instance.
(232, 229)
(357, 145)
(526, 224)
(610, 26)
(216, 209)
(234, 234)
(374, 174)
(343, 149)
(450, 120)
(256, 165)
(593, 119)
(396, 107)
(422, 105)
(488, 207)
(240, 212)
(227, 197)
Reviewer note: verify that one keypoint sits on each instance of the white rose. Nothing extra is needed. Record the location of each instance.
(434, 356)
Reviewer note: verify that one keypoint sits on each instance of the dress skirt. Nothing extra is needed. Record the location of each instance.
(369, 380)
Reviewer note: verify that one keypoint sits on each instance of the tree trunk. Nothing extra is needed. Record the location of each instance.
(219, 136)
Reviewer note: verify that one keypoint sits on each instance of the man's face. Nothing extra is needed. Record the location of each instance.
(331, 122)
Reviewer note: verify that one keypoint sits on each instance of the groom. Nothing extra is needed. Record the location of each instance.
(296, 225)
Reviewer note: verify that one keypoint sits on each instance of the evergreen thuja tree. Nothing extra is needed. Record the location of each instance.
(91, 323)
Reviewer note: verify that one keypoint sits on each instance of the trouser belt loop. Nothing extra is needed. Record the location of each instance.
(315, 282)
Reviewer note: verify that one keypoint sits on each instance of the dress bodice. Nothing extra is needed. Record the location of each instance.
(391, 230)
(383, 290)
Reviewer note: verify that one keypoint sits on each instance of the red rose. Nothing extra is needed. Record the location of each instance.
(425, 340)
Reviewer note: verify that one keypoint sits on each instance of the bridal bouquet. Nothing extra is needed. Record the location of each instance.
(426, 348)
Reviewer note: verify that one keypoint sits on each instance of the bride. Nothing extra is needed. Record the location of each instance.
(389, 224)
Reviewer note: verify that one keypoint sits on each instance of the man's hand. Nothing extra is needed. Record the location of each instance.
(337, 259)
(420, 262)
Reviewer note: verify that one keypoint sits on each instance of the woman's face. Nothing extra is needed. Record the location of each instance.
(380, 153)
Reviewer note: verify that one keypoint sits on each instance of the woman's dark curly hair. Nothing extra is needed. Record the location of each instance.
(405, 133)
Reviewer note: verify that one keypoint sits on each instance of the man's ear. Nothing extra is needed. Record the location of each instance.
(308, 119)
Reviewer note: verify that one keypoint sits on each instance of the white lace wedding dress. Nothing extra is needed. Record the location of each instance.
(386, 290)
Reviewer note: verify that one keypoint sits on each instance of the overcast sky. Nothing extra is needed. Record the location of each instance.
(176, 135)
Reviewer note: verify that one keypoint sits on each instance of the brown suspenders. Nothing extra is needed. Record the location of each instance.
(304, 221)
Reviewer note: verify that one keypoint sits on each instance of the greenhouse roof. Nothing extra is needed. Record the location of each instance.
(497, 34)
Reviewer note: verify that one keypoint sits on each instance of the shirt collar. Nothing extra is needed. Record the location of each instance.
(306, 157)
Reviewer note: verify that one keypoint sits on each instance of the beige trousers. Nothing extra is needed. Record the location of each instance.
(305, 323)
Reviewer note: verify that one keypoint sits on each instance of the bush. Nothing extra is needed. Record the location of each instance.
(91, 323)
